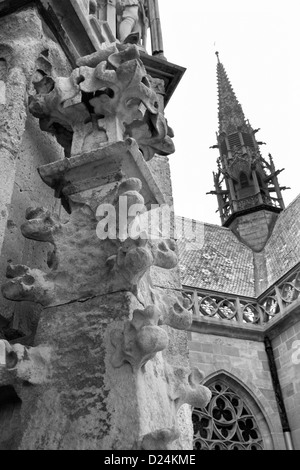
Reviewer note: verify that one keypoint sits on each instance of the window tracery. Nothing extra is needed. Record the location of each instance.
(226, 423)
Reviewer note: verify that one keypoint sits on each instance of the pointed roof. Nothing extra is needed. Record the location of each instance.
(231, 115)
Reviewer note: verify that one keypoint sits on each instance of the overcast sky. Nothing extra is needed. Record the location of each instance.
(258, 42)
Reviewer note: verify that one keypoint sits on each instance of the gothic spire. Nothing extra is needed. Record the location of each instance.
(246, 185)
(231, 116)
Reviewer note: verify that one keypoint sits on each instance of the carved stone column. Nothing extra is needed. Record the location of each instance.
(109, 368)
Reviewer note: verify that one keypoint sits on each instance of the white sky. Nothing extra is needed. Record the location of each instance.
(258, 42)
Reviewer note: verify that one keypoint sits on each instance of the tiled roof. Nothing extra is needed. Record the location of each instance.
(216, 261)
(282, 251)
(212, 258)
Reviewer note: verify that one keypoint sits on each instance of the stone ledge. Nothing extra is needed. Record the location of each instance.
(109, 164)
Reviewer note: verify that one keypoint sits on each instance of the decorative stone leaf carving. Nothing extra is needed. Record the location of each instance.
(136, 255)
(186, 387)
(108, 100)
(41, 225)
(160, 439)
(28, 284)
(30, 364)
(140, 339)
(174, 312)
(82, 265)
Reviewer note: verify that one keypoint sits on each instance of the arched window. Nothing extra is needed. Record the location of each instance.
(226, 423)
(243, 180)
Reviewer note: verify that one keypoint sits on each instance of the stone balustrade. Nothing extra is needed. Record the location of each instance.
(246, 310)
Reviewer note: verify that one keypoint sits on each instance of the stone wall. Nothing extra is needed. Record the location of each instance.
(286, 349)
(28, 53)
(246, 362)
(36, 149)
(254, 229)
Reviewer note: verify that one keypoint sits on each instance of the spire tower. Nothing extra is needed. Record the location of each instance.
(246, 184)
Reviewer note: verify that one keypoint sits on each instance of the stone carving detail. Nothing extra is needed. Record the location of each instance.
(187, 388)
(136, 255)
(108, 116)
(175, 312)
(160, 439)
(41, 225)
(108, 98)
(140, 339)
(28, 284)
(29, 364)
(102, 265)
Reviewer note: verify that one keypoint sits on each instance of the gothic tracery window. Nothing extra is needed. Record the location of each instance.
(226, 423)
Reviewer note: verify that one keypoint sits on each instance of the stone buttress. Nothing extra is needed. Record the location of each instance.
(109, 365)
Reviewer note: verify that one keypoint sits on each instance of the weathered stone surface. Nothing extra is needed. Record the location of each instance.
(140, 339)
(31, 365)
(28, 189)
(83, 406)
(189, 390)
(94, 170)
(24, 47)
(20, 46)
(255, 229)
(87, 403)
(82, 265)
(126, 333)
